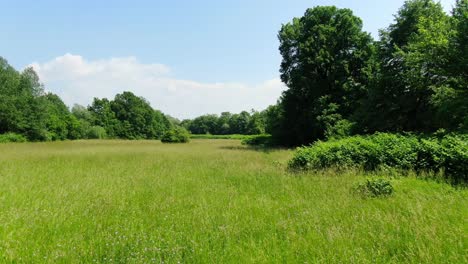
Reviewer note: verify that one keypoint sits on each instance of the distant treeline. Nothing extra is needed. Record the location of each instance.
(339, 80)
(244, 123)
(26, 109)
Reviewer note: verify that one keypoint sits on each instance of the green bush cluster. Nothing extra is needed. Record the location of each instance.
(12, 137)
(447, 153)
(96, 132)
(374, 188)
(176, 135)
(258, 140)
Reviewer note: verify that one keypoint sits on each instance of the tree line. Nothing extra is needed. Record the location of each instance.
(244, 123)
(26, 109)
(340, 82)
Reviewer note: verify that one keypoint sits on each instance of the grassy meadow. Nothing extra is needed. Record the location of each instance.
(212, 201)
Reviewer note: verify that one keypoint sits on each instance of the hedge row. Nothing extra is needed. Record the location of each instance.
(448, 153)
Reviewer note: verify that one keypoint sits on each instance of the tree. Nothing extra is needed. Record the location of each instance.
(412, 59)
(10, 113)
(80, 122)
(239, 123)
(327, 58)
(162, 123)
(82, 113)
(274, 120)
(26, 109)
(459, 43)
(256, 123)
(103, 116)
(58, 121)
(31, 106)
(450, 100)
(205, 124)
(223, 127)
(137, 120)
(174, 121)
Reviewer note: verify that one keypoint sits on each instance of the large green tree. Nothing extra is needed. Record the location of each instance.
(327, 61)
(22, 109)
(60, 124)
(450, 100)
(459, 43)
(103, 116)
(137, 119)
(205, 124)
(10, 114)
(412, 61)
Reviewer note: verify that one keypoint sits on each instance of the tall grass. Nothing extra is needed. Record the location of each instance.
(209, 136)
(211, 201)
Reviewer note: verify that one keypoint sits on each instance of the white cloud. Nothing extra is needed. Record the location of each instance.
(77, 80)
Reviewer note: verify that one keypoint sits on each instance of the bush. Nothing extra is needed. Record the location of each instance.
(447, 153)
(341, 129)
(96, 132)
(374, 188)
(12, 137)
(176, 135)
(258, 140)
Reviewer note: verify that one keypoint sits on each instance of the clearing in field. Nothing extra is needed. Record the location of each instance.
(211, 201)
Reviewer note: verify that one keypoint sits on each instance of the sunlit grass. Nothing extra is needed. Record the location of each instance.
(211, 201)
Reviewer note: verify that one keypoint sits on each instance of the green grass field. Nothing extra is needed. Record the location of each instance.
(208, 136)
(211, 201)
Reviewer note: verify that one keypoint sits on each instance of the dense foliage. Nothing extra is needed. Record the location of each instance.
(11, 137)
(327, 63)
(447, 153)
(22, 103)
(341, 82)
(27, 110)
(176, 135)
(244, 123)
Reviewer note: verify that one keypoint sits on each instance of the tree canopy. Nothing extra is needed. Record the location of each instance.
(27, 110)
(341, 82)
(327, 62)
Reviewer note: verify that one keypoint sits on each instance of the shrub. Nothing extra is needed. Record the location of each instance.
(374, 188)
(341, 129)
(176, 135)
(96, 132)
(258, 140)
(12, 137)
(454, 157)
(447, 153)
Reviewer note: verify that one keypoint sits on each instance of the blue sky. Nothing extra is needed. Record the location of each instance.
(227, 44)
